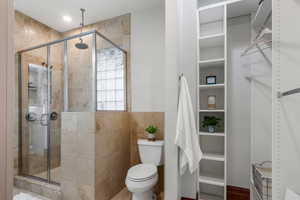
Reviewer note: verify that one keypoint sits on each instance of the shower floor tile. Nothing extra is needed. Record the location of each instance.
(18, 191)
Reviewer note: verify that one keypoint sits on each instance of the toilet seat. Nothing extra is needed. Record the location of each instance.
(141, 172)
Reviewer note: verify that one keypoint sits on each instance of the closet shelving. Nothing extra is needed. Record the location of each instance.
(262, 13)
(215, 86)
(262, 25)
(212, 134)
(211, 62)
(211, 26)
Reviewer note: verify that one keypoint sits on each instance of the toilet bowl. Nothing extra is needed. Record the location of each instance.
(140, 181)
(142, 178)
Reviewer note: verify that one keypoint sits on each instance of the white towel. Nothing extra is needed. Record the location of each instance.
(186, 132)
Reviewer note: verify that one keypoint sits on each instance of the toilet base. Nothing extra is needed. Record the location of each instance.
(148, 195)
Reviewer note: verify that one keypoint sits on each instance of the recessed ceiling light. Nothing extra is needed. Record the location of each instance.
(67, 18)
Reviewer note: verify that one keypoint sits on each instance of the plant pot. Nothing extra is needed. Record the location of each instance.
(151, 137)
(211, 129)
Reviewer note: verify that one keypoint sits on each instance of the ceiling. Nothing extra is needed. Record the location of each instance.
(51, 12)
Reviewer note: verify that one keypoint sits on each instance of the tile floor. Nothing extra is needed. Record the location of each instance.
(123, 195)
(18, 191)
(126, 195)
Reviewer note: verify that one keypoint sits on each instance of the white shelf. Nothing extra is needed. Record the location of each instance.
(211, 15)
(212, 134)
(212, 56)
(214, 86)
(211, 40)
(205, 196)
(213, 156)
(219, 62)
(211, 180)
(217, 110)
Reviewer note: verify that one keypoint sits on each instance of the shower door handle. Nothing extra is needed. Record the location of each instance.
(44, 120)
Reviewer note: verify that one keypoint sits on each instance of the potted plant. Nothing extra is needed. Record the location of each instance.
(210, 122)
(151, 131)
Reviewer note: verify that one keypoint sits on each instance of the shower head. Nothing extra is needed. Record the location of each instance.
(81, 45)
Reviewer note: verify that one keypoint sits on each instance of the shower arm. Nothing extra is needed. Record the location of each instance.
(82, 18)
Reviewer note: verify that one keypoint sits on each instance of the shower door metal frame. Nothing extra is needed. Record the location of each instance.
(48, 64)
(94, 33)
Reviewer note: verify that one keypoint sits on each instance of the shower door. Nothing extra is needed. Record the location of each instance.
(40, 107)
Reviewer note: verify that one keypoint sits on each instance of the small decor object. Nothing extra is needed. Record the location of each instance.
(211, 80)
(210, 122)
(211, 101)
(151, 131)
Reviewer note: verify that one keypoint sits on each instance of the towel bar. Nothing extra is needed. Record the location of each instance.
(287, 93)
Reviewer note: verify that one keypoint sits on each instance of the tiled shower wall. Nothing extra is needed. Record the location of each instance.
(117, 30)
(112, 153)
(99, 148)
(78, 155)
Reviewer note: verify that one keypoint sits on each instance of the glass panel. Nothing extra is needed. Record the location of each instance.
(34, 95)
(111, 77)
(80, 68)
(56, 62)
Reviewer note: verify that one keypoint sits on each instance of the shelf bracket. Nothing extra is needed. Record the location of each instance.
(287, 93)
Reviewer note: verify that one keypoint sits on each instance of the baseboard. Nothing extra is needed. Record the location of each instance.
(183, 198)
(237, 193)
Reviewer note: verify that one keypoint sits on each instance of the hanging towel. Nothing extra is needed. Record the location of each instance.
(186, 132)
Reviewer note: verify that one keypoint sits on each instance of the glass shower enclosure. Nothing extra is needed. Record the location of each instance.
(53, 78)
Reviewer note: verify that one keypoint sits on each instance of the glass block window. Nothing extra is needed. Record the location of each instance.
(111, 74)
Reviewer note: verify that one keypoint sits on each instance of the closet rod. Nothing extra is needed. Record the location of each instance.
(287, 93)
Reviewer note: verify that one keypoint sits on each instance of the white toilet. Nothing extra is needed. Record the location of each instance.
(143, 177)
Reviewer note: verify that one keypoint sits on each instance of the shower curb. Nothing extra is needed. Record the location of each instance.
(47, 190)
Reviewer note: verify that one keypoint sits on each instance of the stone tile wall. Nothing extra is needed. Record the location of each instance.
(112, 153)
(78, 155)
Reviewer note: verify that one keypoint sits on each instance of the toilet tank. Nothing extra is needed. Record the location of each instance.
(151, 152)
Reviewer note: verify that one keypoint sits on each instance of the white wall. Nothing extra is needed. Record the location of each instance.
(286, 111)
(147, 60)
(239, 103)
(172, 181)
(188, 66)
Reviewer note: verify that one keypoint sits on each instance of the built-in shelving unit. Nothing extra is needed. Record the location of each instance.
(213, 156)
(212, 22)
(211, 62)
(211, 134)
(210, 196)
(211, 180)
(214, 86)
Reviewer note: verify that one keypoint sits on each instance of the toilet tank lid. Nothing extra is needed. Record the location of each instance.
(151, 143)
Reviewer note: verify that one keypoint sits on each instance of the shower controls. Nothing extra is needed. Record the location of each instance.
(53, 116)
(44, 120)
(31, 116)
